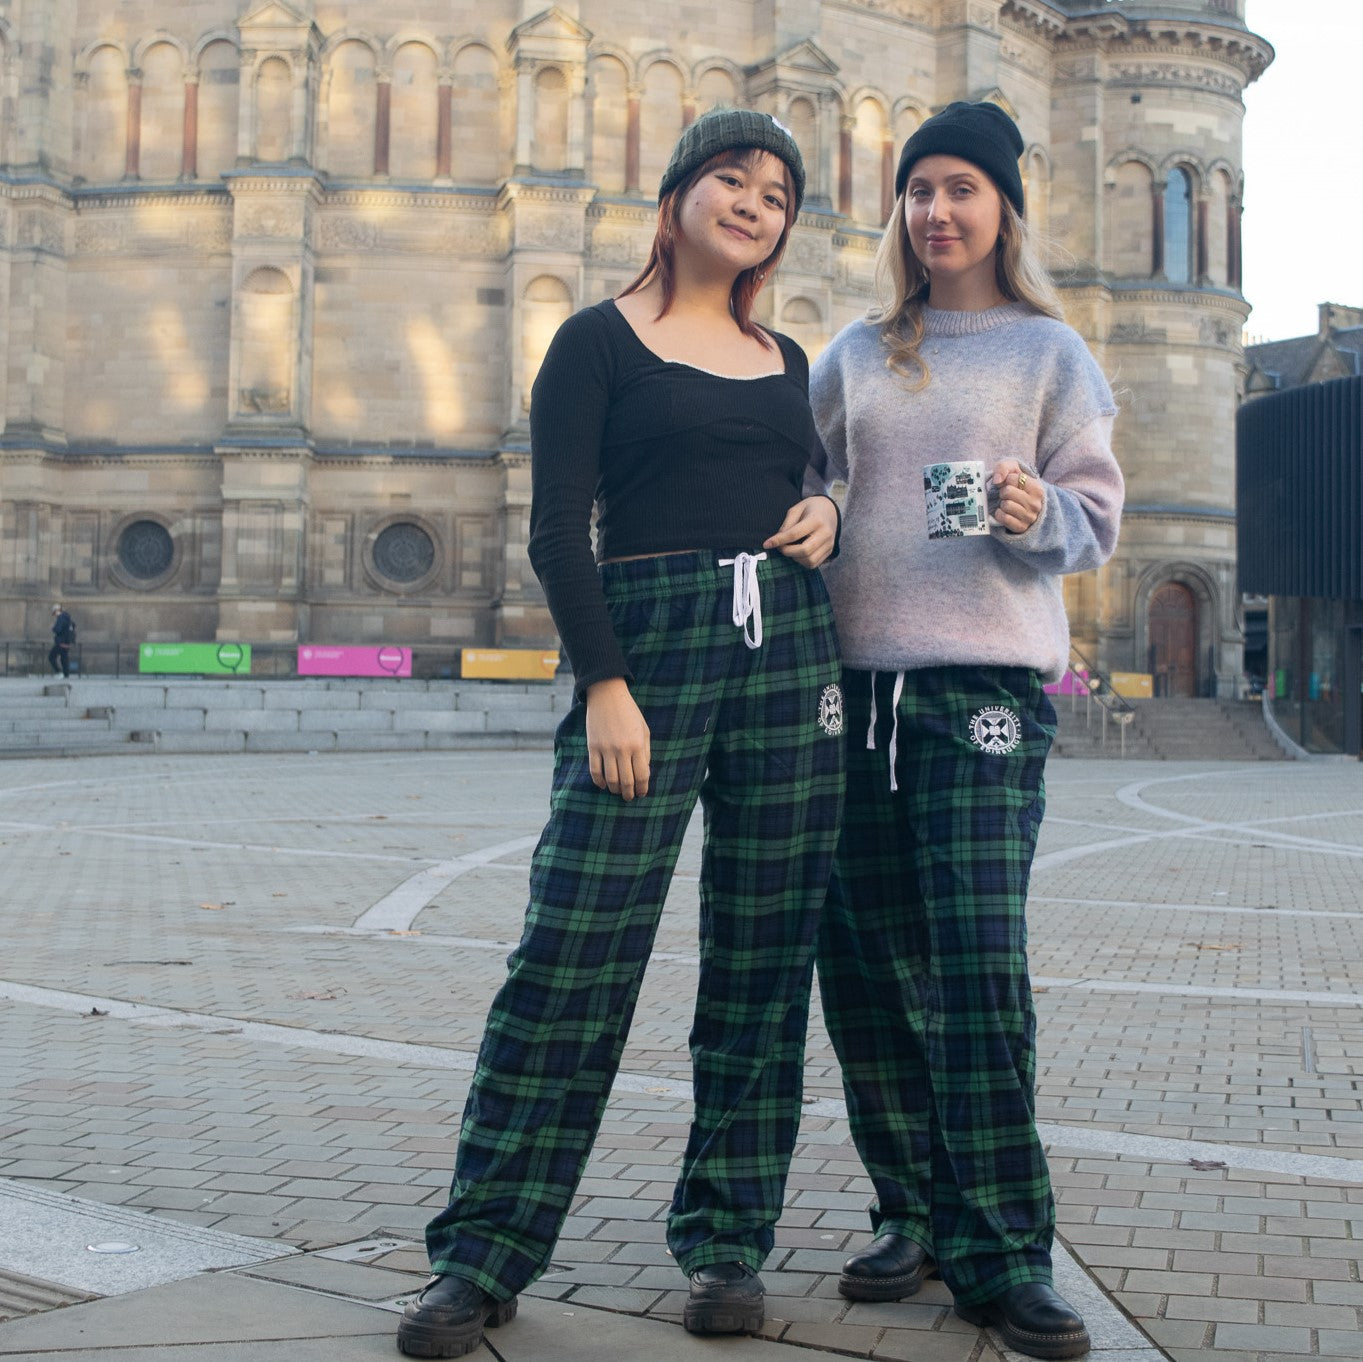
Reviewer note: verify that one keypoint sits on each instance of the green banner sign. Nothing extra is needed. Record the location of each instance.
(195, 659)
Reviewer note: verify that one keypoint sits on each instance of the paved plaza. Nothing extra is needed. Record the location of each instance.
(240, 998)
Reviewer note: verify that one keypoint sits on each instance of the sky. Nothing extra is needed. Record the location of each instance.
(1303, 160)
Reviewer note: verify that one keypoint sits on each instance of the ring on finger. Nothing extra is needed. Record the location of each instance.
(1022, 481)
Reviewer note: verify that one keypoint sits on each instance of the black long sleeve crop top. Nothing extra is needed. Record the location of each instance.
(673, 458)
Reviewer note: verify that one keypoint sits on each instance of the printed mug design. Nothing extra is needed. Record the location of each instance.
(957, 497)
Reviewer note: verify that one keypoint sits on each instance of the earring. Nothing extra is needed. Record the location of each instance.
(761, 275)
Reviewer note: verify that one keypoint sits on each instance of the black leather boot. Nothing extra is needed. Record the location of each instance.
(1033, 1319)
(726, 1298)
(448, 1317)
(892, 1267)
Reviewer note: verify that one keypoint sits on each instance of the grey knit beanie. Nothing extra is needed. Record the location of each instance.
(979, 133)
(730, 130)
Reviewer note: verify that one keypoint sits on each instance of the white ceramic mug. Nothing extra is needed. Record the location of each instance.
(957, 497)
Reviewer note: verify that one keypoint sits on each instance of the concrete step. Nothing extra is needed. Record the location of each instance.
(267, 715)
(56, 723)
(41, 742)
(1171, 730)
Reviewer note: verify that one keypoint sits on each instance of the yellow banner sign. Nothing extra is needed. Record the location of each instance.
(1134, 685)
(507, 664)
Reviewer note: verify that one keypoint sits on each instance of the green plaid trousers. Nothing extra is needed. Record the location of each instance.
(923, 967)
(755, 734)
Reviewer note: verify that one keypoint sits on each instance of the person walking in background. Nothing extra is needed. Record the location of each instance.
(63, 636)
(705, 667)
(973, 431)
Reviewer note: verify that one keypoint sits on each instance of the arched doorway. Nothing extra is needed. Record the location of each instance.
(1172, 653)
(1173, 640)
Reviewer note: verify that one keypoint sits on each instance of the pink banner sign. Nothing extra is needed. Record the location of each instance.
(1072, 683)
(314, 660)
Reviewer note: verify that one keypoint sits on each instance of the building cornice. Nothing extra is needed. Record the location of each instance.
(1114, 33)
(1035, 18)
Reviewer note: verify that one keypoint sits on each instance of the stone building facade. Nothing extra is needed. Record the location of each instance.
(276, 275)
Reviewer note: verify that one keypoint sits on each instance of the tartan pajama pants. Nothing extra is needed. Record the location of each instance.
(755, 734)
(923, 967)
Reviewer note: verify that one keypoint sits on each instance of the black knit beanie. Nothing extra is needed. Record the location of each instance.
(979, 133)
(731, 130)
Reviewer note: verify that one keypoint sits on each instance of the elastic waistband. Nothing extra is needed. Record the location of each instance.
(666, 574)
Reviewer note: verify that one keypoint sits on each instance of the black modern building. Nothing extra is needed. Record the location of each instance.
(1299, 495)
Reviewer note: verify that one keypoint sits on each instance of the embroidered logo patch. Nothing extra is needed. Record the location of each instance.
(830, 710)
(995, 730)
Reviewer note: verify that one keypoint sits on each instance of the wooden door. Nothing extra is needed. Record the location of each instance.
(1173, 640)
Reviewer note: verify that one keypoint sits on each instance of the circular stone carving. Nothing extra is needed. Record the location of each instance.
(404, 553)
(146, 550)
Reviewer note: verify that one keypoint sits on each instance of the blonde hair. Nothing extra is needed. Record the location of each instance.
(902, 286)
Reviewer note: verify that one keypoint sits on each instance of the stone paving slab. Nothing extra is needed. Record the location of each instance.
(1196, 939)
(216, 1318)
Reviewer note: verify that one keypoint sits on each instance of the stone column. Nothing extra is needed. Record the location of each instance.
(887, 169)
(134, 138)
(576, 149)
(845, 126)
(632, 140)
(189, 155)
(301, 151)
(444, 125)
(382, 123)
(525, 116)
(1157, 232)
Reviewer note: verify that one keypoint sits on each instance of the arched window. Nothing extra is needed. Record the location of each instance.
(105, 145)
(546, 305)
(607, 103)
(219, 79)
(274, 110)
(1130, 244)
(414, 113)
(550, 149)
(265, 380)
(868, 157)
(714, 90)
(163, 113)
(351, 109)
(477, 118)
(802, 118)
(802, 321)
(1178, 226)
(660, 123)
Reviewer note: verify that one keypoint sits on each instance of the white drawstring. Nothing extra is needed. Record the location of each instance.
(894, 725)
(747, 596)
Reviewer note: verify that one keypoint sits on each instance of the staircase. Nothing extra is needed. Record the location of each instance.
(37, 720)
(1170, 730)
(134, 715)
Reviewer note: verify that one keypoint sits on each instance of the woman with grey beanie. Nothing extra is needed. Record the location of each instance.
(705, 667)
(973, 431)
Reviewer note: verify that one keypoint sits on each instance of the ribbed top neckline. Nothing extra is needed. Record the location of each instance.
(936, 322)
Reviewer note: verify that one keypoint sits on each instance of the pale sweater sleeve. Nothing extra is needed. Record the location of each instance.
(829, 462)
(1079, 521)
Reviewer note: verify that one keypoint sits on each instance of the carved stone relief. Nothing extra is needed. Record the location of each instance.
(555, 229)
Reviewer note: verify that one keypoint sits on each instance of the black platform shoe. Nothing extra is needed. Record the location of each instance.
(1033, 1319)
(448, 1317)
(726, 1298)
(892, 1267)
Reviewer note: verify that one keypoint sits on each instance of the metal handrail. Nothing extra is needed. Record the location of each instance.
(1098, 686)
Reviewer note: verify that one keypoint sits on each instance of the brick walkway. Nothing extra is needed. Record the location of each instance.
(294, 955)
